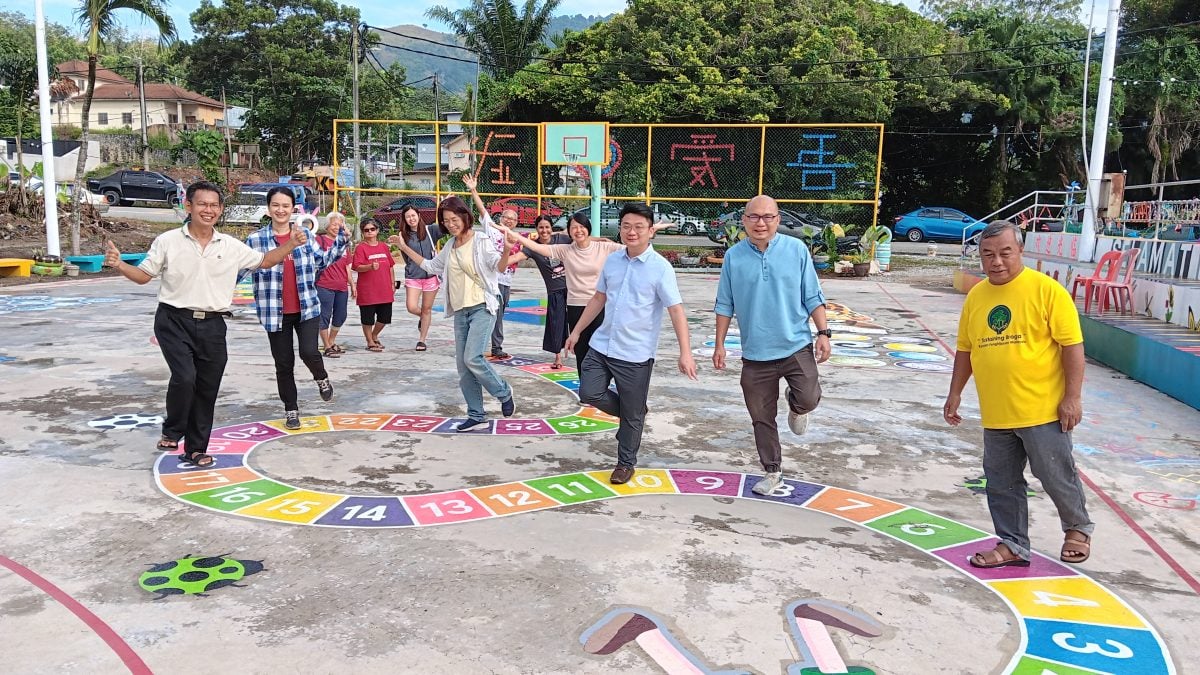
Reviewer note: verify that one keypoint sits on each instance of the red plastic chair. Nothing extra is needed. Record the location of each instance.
(1119, 290)
(1106, 270)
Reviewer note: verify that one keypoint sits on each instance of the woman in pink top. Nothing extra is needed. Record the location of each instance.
(334, 288)
(376, 285)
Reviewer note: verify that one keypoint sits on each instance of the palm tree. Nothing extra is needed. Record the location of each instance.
(99, 20)
(504, 40)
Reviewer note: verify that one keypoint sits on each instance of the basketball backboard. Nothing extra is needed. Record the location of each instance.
(582, 143)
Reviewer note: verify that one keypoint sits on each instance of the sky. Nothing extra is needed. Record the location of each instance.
(386, 13)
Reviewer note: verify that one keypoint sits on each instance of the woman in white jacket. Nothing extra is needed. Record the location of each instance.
(468, 267)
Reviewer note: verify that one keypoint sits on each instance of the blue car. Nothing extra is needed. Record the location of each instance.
(936, 222)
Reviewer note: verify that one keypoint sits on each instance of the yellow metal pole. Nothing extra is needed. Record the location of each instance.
(878, 174)
(541, 148)
(336, 173)
(762, 157)
(649, 152)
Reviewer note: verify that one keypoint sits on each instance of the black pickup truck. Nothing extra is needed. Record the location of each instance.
(126, 187)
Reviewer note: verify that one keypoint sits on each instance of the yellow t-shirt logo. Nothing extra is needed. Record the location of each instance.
(999, 318)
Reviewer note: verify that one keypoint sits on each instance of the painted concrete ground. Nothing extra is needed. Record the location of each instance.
(375, 541)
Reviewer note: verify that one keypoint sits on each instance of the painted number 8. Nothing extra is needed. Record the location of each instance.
(1119, 651)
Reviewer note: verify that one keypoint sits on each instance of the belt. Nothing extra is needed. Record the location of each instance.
(192, 313)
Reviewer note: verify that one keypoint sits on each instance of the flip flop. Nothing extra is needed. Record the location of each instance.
(1081, 547)
(421, 347)
(199, 459)
(332, 353)
(994, 558)
(165, 443)
(375, 348)
(556, 366)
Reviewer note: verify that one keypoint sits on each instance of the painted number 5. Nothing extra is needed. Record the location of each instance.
(1119, 651)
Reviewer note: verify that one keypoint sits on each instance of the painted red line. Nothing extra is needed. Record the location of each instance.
(131, 660)
(1145, 536)
(1109, 501)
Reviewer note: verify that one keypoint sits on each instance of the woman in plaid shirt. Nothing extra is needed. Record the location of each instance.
(287, 301)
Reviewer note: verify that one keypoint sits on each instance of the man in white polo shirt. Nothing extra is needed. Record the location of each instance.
(198, 268)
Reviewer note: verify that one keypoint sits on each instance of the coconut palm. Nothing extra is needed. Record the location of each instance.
(505, 40)
(98, 18)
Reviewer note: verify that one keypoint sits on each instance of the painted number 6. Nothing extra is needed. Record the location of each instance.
(1119, 651)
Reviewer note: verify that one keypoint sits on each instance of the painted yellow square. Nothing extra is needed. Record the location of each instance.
(1067, 599)
(299, 506)
(644, 482)
(308, 425)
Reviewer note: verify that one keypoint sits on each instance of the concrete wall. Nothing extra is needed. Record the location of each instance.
(64, 165)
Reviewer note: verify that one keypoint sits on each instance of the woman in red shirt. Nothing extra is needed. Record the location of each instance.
(334, 288)
(376, 284)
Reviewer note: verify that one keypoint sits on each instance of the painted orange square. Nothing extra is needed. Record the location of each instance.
(193, 481)
(512, 498)
(596, 414)
(360, 422)
(852, 505)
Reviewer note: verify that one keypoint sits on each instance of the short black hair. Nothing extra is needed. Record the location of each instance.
(205, 186)
(638, 209)
(281, 190)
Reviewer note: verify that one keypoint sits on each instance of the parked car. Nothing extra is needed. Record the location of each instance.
(390, 212)
(683, 223)
(301, 194)
(610, 219)
(791, 223)
(126, 187)
(526, 208)
(936, 222)
(247, 207)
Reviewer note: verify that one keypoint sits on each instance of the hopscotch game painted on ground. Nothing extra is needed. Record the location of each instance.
(1068, 621)
(857, 341)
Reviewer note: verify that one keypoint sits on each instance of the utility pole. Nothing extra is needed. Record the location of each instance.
(437, 112)
(48, 182)
(228, 142)
(141, 84)
(357, 157)
(1087, 239)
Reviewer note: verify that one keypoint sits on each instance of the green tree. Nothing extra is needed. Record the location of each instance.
(505, 39)
(18, 73)
(99, 20)
(1033, 10)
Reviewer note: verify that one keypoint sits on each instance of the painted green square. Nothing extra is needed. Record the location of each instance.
(571, 488)
(925, 530)
(258, 491)
(574, 424)
(1031, 666)
(559, 377)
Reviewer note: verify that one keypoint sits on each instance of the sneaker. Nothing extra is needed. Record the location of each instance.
(472, 425)
(500, 354)
(293, 419)
(797, 422)
(325, 388)
(508, 407)
(769, 482)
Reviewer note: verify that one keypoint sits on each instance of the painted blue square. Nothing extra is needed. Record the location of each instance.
(450, 426)
(798, 492)
(573, 385)
(367, 512)
(1103, 648)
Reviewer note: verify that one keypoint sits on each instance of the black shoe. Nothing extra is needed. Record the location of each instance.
(325, 388)
(500, 354)
(292, 419)
(508, 407)
(472, 425)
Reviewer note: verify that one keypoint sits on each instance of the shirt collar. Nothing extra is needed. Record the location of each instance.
(645, 256)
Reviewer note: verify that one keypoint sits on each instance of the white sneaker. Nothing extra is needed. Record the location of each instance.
(767, 485)
(797, 422)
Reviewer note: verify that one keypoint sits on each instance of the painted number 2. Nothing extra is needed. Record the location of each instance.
(514, 498)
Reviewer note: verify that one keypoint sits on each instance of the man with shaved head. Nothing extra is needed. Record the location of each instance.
(769, 283)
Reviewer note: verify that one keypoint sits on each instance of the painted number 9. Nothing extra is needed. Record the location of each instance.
(710, 482)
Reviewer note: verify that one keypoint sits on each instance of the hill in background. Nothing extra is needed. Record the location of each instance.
(426, 58)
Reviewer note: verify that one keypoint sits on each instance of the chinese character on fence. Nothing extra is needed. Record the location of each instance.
(815, 166)
(503, 172)
(701, 163)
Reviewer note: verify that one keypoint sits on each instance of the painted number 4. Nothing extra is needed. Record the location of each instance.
(375, 513)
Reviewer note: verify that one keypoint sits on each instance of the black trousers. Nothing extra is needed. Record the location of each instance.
(628, 402)
(307, 333)
(498, 329)
(195, 352)
(574, 312)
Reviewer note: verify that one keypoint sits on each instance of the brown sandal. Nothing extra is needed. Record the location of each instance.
(1075, 550)
(994, 558)
(166, 444)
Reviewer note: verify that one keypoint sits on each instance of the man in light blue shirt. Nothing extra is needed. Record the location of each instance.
(769, 283)
(634, 287)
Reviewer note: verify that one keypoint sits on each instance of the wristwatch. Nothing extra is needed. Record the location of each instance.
(827, 332)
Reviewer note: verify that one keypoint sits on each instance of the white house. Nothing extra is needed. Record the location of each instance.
(115, 103)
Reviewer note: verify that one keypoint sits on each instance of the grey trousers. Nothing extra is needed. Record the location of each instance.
(760, 388)
(1047, 449)
(627, 403)
(498, 329)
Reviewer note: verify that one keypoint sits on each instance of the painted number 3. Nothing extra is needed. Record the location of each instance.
(1118, 651)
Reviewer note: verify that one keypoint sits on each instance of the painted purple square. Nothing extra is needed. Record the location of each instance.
(248, 432)
(1040, 565)
(367, 512)
(530, 427)
(450, 426)
(517, 361)
(792, 492)
(707, 482)
(175, 463)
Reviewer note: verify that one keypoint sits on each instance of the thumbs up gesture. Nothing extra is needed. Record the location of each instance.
(299, 238)
(112, 256)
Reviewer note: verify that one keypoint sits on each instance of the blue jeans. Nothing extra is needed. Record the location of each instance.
(472, 333)
(333, 307)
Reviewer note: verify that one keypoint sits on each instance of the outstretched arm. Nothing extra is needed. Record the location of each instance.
(112, 258)
(471, 182)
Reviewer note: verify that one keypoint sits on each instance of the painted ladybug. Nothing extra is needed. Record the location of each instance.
(195, 575)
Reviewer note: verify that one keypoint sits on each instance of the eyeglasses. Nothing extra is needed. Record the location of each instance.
(766, 217)
(634, 228)
(369, 229)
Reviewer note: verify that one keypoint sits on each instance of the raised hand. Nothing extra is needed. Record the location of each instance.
(299, 238)
(470, 181)
(112, 256)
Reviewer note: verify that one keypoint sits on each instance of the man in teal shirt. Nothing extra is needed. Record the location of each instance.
(769, 283)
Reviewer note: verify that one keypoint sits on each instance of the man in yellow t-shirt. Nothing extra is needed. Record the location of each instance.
(1019, 336)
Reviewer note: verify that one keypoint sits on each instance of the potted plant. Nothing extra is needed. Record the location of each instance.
(45, 264)
(862, 262)
(691, 257)
(672, 256)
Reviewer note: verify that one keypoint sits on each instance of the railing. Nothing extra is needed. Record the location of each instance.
(1038, 211)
